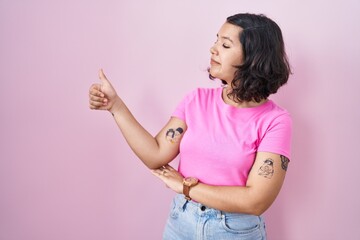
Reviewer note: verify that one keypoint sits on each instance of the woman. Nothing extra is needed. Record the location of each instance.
(234, 142)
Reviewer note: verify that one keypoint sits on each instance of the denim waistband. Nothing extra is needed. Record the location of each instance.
(195, 207)
(200, 209)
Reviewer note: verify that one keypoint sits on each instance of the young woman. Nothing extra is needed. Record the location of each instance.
(234, 143)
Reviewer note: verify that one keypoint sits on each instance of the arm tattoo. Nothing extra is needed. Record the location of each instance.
(284, 162)
(173, 135)
(267, 169)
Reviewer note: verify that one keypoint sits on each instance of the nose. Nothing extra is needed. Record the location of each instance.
(213, 50)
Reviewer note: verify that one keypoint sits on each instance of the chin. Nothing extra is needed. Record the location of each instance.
(214, 74)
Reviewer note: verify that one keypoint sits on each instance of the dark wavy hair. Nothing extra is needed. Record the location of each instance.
(265, 66)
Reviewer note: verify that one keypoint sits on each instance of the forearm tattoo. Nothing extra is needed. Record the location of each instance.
(173, 135)
(284, 162)
(267, 169)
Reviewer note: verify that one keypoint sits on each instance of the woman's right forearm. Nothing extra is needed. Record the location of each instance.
(102, 96)
(143, 144)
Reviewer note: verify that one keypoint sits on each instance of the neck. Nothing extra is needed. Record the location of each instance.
(242, 104)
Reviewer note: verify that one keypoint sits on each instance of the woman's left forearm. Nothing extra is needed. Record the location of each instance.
(230, 198)
(256, 197)
(262, 187)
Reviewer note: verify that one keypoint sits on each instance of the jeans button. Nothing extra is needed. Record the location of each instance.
(203, 208)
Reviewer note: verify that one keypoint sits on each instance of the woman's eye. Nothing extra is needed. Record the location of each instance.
(226, 46)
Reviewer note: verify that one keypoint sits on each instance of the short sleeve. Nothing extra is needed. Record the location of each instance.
(180, 110)
(277, 138)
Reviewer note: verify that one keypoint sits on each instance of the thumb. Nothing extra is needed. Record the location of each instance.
(102, 76)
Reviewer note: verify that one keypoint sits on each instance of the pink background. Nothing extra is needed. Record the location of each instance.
(66, 172)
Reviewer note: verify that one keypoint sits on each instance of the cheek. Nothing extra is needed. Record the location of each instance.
(237, 60)
(230, 68)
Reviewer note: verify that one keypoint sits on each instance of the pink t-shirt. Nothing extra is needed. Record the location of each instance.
(221, 141)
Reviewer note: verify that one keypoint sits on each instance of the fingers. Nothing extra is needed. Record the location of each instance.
(172, 178)
(96, 97)
(97, 104)
(160, 172)
(164, 171)
(168, 167)
(95, 90)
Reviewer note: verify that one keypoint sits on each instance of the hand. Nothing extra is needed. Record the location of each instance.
(102, 96)
(172, 178)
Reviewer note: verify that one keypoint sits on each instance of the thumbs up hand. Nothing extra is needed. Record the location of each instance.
(102, 96)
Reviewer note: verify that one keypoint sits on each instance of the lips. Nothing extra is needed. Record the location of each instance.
(213, 62)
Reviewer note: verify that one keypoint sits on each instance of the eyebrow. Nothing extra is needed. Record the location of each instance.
(223, 37)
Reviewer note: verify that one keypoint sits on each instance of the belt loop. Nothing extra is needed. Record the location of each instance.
(184, 205)
(183, 202)
(220, 214)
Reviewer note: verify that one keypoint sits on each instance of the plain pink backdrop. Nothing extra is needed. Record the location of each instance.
(67, 174)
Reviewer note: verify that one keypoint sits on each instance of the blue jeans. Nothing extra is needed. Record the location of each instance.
(189, 220)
